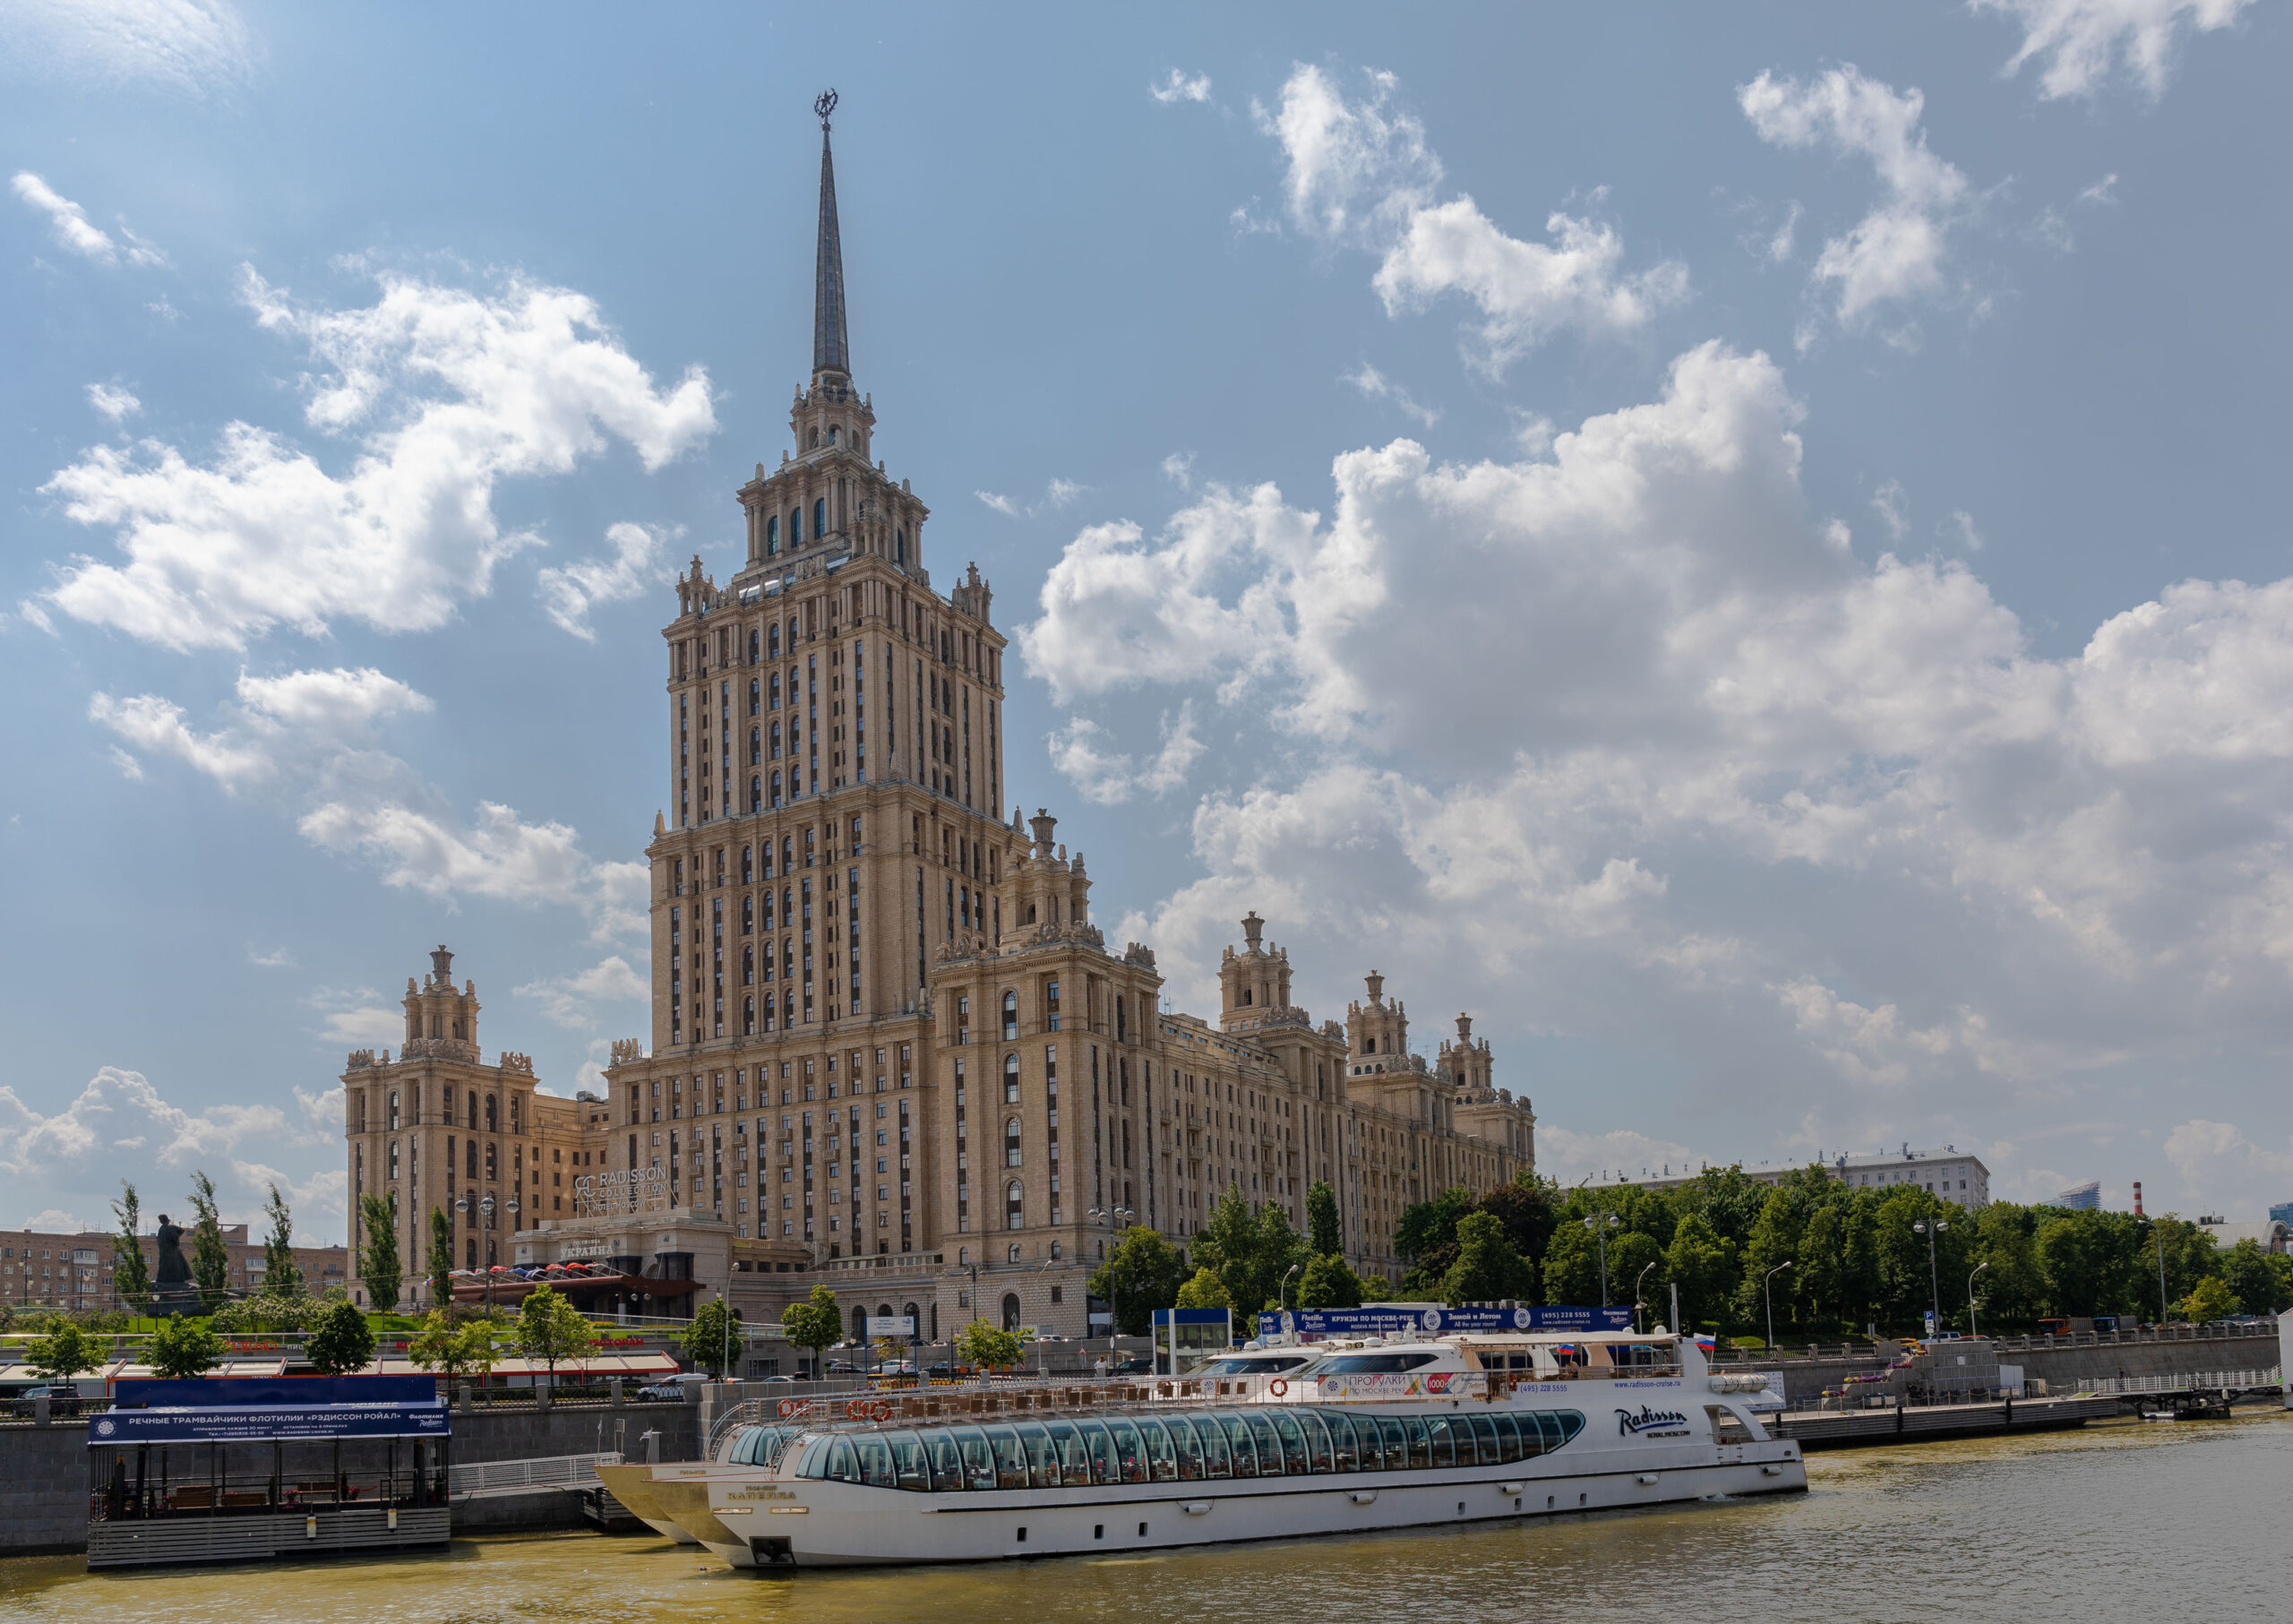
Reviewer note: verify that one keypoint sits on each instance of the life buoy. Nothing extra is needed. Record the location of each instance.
(882, 1410)
(788, 1407)
(1277, 1387)
(857, 1410)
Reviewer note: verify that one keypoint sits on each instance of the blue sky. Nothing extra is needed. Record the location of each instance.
(1740, 546)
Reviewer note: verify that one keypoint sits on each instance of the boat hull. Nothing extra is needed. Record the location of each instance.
(846, 1524)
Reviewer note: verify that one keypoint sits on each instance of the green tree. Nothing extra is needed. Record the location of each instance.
(2086, 1259)
(378, 1260)
(1631, 1275)
(1776, 1239)
(550, 1329)
(2011, 1288)
(1704, 1267)
(64, 1352)
(282, 1277)
(183, 1347)
(452, 1349)
(130, 1273)
(2209, 1300)
(1249, 1249)
(709, 1339)
(2183, 1253)
(211, 1259)
(1204, 1289)
(1329, 1281)
(1530, 1209)
(439, 1262)
(2263, 1281)
(1571, 1266)
(987, 1347)
(341, 1341)
(1727, 1198)
(1426, 1237)
(815, 1323)
(1324, 1231)
(1142, 1274)
(1488, 1268)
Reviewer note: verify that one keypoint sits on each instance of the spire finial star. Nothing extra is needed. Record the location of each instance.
(823, 105)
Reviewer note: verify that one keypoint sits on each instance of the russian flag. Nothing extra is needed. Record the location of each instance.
(1707, 1343)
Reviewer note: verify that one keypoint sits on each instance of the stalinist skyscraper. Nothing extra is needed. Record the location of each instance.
(888, 1046)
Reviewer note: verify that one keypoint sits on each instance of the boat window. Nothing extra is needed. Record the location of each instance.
(1442, 1445)
(1420, 1442)
(843, 1462)
(1238, 1440)
(947, 1461)
(1043, 1455)
(1293, 1442)
(1161, 1454)
(1105, 1468)
(814, 1463)
(1189, 1449)
(910, 1464)
(1727, 1426)
(1393, 1450)
(1508, 1437)
(1346, 1454)
(1372, 1365)
(1217, 1461)
(1485, 1440)
(1074, 1464)
(1316, 1440)
(876, 1462)
(979, 1459)
(1269, 1445)
(1131, 1453)
(1011, 1460)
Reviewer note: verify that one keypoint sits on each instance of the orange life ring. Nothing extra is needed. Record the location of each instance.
(882, 1410)
(787, 1406)
(1277, 1387)
(857, 1410)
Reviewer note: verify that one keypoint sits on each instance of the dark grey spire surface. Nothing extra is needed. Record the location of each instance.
(831, 352)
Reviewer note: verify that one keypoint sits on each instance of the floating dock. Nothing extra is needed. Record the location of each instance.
(1919, 1423)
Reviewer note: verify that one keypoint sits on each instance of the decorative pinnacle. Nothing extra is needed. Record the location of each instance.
(823, 105)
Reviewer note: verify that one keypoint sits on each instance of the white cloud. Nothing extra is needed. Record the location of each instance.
(278, 958)
(66, 220)
(1176, 86)
(192, 47)
(2084, 40)
(568, 594)
(309, 734)
(454, 392)
(1361, 173)
(365, 1026)
(1505, 708)
(1896, 252)
(2224, 1171)
(1892, 508)
(1572, 1157)
(1963, 524)
(117, 404)
(1057, 493)
(1178, 468)
(2103, 191)
(572, 1000)
(1081, 752)
(1376, 386)
(55, 1221)
(119, 1126)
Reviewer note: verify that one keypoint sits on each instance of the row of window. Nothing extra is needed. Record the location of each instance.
(1272, 1441)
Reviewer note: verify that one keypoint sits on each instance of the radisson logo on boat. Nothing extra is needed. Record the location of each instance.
(1645, 1423)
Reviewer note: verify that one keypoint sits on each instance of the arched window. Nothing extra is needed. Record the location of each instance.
(1011, 1079)
(771, 537)
(756, 751)
(393, 1110)
(1010, 1310)
(752, 652)
(748, 1017)
(1010, 1015)
(393, 1158)
(776, 789)
(860, 1322)
(1246, 995)
(795, 527)
(819, 517)
(909, 1310)
(1011, 1252)
(1011, 1142)
(1013, 1207)
(831, 433)
(772, 651)
(748, 962)
(1055, 1253)
(490, 1116)
(963, 1255)
(756, 794)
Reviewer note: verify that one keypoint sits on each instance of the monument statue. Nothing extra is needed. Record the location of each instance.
(173, 1294)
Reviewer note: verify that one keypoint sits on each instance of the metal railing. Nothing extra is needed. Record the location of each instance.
(541, 1471)
(2199, 1380)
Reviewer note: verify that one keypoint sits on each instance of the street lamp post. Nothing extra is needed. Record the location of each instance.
(1975, 1270)
(1600, 1224)
(1934, 1279)
(1114, 1217)
(1767, 1289)
(1284, 1297)
(1637, 1303)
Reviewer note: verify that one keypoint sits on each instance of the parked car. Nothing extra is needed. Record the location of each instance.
(61, 1401)
(842, 1367)
(672, 1389)
(1137, 1364)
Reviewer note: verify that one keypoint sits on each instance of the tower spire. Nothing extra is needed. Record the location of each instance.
(831, 353)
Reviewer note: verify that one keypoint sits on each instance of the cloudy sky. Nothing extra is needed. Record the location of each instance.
(1744, 547)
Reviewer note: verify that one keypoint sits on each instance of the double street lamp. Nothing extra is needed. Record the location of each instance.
(1115, 1217)
(1600, 1224)
(485, 1204)
(1934, 1279)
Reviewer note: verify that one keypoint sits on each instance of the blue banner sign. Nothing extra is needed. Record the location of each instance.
(258, 1423)
(1193, 1315)
(216, 1392)
(1373, 1320)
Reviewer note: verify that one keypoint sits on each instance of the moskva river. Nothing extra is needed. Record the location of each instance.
(2128, 1521)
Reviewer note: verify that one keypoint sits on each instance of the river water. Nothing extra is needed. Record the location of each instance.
(2124, 1521)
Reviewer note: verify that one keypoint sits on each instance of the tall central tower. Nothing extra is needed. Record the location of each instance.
(835, 762)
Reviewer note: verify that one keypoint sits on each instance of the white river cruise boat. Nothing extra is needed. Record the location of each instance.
(1361, 1435)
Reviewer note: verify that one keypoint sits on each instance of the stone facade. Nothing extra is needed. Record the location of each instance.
(888, 1046)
